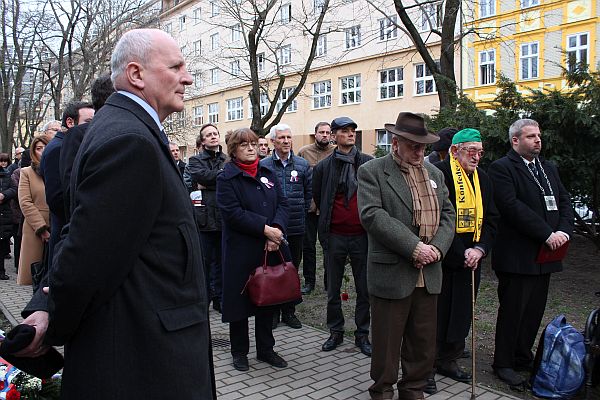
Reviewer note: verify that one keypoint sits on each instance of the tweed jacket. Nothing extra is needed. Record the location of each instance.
(385, 208)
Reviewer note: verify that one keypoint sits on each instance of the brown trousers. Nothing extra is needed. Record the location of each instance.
(404, 330)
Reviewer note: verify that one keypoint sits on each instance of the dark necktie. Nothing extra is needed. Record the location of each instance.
(163, 137)
(533, 169)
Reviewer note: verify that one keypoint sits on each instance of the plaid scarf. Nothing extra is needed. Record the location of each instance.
(426, 210)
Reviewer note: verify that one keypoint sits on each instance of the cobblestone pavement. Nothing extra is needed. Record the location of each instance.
(312, 374)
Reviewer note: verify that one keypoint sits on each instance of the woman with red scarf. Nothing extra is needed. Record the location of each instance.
(255, 214)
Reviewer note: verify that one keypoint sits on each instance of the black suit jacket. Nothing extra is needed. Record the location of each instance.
(525, 224)
(70, 146)
(127, 294)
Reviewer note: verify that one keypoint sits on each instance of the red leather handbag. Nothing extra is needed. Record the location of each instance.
(269, 285)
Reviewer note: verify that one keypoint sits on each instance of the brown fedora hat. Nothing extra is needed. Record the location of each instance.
(412, 127)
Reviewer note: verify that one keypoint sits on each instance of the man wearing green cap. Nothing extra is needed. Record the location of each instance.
(470, 192)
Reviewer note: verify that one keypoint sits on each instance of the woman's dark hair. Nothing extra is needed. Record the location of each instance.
(35, 161)
(25, 159)
(238, 137)
(4, 157)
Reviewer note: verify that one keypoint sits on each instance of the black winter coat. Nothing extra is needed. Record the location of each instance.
(326, 176)
(203, 169)
(6, 216)
(246, 205)
(525, 224)
(297, 189)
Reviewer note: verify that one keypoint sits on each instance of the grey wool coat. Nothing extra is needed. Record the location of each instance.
(127, 291)
(385, 207)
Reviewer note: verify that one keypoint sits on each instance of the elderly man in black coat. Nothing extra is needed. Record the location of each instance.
(536, 214)
(127, 293)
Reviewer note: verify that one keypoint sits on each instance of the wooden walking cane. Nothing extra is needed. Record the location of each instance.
(473, 334)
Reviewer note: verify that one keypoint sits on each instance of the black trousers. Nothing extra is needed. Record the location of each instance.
(211, 253)
(522, 304)
(4, 251)
(263, 333)
(295, 245)
(309, 250)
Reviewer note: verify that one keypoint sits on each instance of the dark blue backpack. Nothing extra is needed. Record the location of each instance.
(559, 361)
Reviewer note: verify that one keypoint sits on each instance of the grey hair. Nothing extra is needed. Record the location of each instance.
(518, 125)
(47, 124)
(134, 45)
(278, 128)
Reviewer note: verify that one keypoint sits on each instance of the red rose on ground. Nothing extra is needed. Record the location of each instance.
(344, 296)
(1, 385)
(13, 394)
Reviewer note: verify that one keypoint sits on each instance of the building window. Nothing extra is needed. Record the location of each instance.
(352, 37)
(285, 13)
(213, 113)
(321, 94)
(577, 50)
(529, 3)
(283, 96)
(424, 82)
(168, 28)
(198, 48)
(318, 6)
(321, 46)
(529, 60)
(384, 140)
(432, 15)
(197, 15)
(235, 109)
(234, 67)
(391, 83)
(487, 67)
(387, 28)
(182, 23)
(214, 41)
(214, 8)
(264, 106)
(198, 115)
(236, 32)
(197, 79)
(214, 76)
(487, 8)
(350, 89)
(260, 61)
(285, 54)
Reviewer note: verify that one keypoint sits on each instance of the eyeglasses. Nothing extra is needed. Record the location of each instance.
(245, 145)
(471, 151)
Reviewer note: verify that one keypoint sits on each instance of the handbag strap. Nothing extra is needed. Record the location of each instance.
(265, 258)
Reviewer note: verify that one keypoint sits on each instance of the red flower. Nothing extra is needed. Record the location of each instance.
(344, 296)
(1, 385)
(13, 394)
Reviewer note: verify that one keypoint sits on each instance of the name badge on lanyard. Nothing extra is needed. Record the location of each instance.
(550, 203)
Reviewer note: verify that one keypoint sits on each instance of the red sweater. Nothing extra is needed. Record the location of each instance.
(345, 221)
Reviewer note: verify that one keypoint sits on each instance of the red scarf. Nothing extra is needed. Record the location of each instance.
(250, 169)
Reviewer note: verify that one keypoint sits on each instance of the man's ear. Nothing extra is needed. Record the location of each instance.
(454, 150)
(135, 75)
(70, 122)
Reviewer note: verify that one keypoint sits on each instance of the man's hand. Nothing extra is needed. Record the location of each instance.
(273, 234)
(555, 240)
(472, 257)
(39, 320)
(271, 246)
(426, 256)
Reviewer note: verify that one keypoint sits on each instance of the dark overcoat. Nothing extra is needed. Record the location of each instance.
(247, 204)
(525, 224)
(454, 303)
(127, 293)
(6, 214)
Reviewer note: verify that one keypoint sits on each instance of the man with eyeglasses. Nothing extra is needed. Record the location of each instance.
(313, 153)
(535, 214)
(470, 192)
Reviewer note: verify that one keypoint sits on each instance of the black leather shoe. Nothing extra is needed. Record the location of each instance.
(241, 363)
(362, 342)
(273, 359)
(307, 289)
(430, 387)
(527, 367)
(275, 320)
(4, 277)
(509, 376)
(291, 320)
(217, 305)
(465, 354)
(452, 371)
(334, 341)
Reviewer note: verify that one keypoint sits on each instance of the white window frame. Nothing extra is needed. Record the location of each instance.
(234, 68)
(321, 95)
(384, 139)
(236, 32)
(353, 38)
(283, 96)
(578, 50)
(387, 28)
(260, 62)
(350, 90)
(487, 8)
(432, 15)
(198, 116)
(197, 79)
(424, 77)
(168, 28)
(264, 106)
(529, 3)
(487, 67)
(214, 41)
(198, 48)
(285, 13)
(213, 113)
(396, 85)
(235, 109)
(285, 54)
(321, 45)
(214, 76)
(214, 8)
(197, 15)
(181, 23)
(530, 60)
(318, 6)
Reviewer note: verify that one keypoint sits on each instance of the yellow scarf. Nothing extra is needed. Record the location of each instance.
(469, 206)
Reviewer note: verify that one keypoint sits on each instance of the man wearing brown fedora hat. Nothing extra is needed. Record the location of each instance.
(405, 209)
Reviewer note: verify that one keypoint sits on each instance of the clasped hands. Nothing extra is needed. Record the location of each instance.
(426, 255)
(274, 238)
(472, 257)
(555, 240)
